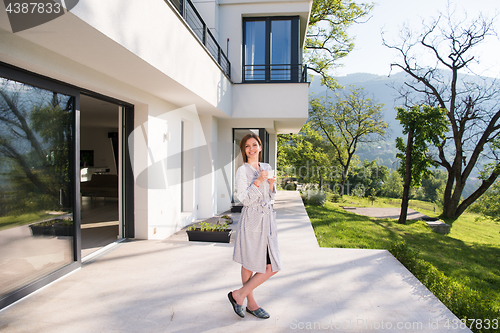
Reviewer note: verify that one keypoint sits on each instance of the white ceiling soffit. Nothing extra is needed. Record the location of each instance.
(79, 42)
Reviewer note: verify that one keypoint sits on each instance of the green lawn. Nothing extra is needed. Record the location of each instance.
(11, 221)
(428, 208)
(469, 254)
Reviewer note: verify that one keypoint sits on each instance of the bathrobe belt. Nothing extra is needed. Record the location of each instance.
(266, 209)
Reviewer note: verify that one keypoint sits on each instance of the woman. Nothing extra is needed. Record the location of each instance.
(256, 246)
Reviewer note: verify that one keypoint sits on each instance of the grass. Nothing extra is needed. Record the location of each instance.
(470, 253)
(11, 221)
(428, 208)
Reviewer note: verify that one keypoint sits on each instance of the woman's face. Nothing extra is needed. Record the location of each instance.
(252, 149)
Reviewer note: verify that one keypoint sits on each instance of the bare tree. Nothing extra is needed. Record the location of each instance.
(472, 102)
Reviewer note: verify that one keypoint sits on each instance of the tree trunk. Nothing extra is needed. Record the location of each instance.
(447, 207)
(454, 202)
(453, 196)
(342, 183)
(344, 179)
(406, 188)
(345, 170)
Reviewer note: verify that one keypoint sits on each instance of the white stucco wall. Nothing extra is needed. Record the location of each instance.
(157, 210)
(146, 46)
(174, 202)
(279, 101)
(207, 203)
(153, 31)
(145, 56)
(224, 169)
(209, 11)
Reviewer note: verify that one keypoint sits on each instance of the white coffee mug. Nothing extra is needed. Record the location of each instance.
(270, 174)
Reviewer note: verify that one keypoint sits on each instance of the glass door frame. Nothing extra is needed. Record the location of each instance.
(127, 177)
(23, 76)
(128, 231)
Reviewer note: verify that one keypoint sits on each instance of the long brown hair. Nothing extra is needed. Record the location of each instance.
(244, 142)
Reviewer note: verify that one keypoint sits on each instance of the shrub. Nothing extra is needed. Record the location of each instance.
(358, 191)
(372, 196)
(488, 204)
(335, 197)
(313, 197)
(464, 302)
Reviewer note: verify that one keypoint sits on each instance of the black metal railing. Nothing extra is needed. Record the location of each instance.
(276, 73)
(194, 20)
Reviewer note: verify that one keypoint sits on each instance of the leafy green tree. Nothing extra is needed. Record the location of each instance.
(327, 40)
(471, 102)
(305, 156)
(424, 125)
(429, 191)
(393, 187)
(489, 203)
(351, 120)
(370, 176)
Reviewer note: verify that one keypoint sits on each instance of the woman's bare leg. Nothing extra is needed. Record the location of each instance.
(245, 276)
(256, 280)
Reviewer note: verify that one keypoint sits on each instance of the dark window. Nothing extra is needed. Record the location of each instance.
(271, 51)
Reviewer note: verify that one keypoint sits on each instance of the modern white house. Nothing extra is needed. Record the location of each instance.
(122, 119)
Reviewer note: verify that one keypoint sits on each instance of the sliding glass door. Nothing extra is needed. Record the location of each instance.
(37, 230)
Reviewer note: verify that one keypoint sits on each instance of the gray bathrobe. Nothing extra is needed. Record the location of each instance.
(257, 231)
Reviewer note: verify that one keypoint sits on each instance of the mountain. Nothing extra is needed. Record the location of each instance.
(380, 89)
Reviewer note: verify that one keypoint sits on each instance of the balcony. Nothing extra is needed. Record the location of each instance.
(276, 73)
(286, 104)
(194, 20)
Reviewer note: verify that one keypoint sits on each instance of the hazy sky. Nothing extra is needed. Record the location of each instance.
(369, 56)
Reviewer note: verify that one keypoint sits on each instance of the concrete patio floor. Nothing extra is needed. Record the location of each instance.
(180, 286)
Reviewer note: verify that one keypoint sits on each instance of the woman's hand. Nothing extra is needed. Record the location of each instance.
(262, 177)
(271, 183)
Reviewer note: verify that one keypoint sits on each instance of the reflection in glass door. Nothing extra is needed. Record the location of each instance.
(36, 192)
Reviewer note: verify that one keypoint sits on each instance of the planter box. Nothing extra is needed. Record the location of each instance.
(209, 236)
(236, 209)
(37, 230)
(63, 230)
(56, 229)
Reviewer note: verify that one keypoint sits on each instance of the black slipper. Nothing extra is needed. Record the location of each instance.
(236, 307)
(259, 313)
